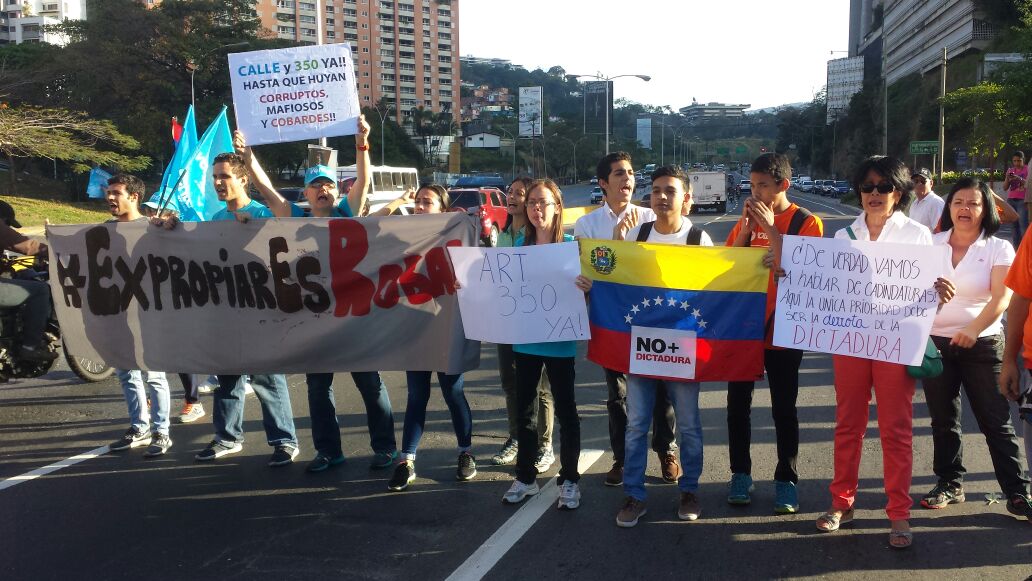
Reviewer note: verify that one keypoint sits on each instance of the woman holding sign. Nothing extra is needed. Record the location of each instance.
(885, 189)
(544, 212)
(967, 332)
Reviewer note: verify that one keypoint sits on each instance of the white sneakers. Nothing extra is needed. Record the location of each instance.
(569, 494)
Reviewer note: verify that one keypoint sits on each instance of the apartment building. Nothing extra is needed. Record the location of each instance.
(406, 51)
(699, 112)
(23, 20)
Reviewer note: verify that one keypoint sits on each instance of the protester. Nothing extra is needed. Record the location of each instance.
(431, 199)
(615, 218)
(149, 420)
(322, 195)
(885, 189)
(766, 216)
(543, 416)
(967, 332)
(231, 186)
(1015, 184)
(671, 193)
(544, 214)
(927, 205)
(33, 294)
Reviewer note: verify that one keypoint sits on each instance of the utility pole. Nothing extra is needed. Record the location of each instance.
(942, 117)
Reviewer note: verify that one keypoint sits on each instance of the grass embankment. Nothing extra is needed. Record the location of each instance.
(38, 199)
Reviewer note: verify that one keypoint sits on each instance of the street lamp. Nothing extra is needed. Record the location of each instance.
(191, 65)
(513, 139)
(601, 77)
(383, 119)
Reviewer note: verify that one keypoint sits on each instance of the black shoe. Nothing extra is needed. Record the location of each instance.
(1020, 505)
(284, 454)
(131, 439)
(218, 449)
(404, 474)
(37, 354)
(467, 467)
(943, 495)
(323, 462)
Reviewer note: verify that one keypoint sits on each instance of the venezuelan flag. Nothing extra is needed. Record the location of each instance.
(718, 292)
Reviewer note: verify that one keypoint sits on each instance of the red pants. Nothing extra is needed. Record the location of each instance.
(894, 393)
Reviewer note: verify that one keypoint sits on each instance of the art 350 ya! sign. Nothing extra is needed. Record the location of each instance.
(289, 296)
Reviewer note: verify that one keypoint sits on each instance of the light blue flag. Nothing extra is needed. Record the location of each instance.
(196, 191)
(186, 145)
(98, 181)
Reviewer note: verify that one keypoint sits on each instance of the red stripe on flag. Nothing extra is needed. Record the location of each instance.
(177, 130)
(718, 360)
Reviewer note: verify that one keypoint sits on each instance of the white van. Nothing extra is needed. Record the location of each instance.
(387, 184)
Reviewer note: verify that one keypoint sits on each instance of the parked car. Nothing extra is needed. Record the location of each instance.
(744, 188)
(594, 181)
(596, 195)
(482, 181)
(486, 203)
(806, 186)
(820, 187)
(840, 188)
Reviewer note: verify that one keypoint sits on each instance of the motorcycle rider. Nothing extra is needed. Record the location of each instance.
(33, 294)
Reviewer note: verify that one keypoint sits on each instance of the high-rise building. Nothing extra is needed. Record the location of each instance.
(405, 51)
(24, 20)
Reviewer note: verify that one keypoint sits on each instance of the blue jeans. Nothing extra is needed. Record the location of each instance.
(277, 415)
(136, 399)
(415, 410)
(641, 398)
(1022, 224)
(326, 429)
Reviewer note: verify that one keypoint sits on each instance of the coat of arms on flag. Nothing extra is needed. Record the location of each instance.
(685, 312)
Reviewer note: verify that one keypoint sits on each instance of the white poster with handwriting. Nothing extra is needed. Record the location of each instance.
(872, 300)
(524, 294)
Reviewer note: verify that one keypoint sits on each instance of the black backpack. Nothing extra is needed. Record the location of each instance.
(694, 234)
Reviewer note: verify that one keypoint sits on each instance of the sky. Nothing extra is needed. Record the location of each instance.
(760, 52)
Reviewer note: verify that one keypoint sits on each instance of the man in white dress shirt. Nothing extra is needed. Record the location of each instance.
(927, 205)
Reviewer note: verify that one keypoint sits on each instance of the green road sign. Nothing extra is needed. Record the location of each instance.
(723, 150)
(923, 147)
(741, 149)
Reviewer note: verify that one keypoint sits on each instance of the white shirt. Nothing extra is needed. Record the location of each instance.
(927, 211)
(898, 228)
(972, 277)
(599, 223)
(679, 237)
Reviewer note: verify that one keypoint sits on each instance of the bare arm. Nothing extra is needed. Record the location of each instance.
(1007, 213)
(277, 203)
(1009, 380)
(406, 198)
(1001, 296)
(359, 189)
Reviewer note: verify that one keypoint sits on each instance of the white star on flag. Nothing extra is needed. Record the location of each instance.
(696, 313)
(627, 319)
(702, 324)
(684, 305)
(659, 301)
(647, 303)
(671, 302)
(635, 309)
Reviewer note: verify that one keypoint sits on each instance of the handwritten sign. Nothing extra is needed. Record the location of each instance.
(292, 94)
(521, 295)
(872, 300)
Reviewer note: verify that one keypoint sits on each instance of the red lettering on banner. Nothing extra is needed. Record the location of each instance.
(349, 244)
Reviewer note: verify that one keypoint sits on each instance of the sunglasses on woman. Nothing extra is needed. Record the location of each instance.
(883, 188)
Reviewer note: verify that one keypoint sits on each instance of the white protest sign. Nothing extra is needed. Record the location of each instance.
(872, 300)
(291, 94)
(524, 294)
(662, 352)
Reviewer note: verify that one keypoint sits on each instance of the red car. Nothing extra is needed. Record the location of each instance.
(488, 204)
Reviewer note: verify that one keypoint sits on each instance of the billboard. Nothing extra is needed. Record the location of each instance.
(845, 79)
(530, 111)
(596, 106)
(645, 132)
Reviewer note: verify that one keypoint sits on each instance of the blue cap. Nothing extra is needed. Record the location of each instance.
(319, 171)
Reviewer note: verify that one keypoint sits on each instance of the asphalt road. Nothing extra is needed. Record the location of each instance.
(120, 516)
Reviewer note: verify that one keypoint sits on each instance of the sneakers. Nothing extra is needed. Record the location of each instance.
(160, 443)
(671, 466)
(739, 489)
(467, 467)
(519, 491)
(545, 459)
(633, 509)
(208, 385)
(191, 413)
(383, 460)
(404, 474)
(507, 455)
(569, 496)
(786, 498)
(131, 439)
(615, 475)
(323, 462)
(1020, 505)
(688, 507)
(218, 449)
(943, 495)
(283, 454)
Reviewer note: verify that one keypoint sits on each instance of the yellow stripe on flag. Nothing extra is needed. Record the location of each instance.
(715, 268)
(571, 215)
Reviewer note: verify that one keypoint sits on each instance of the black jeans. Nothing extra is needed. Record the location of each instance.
(783, 378)
(190, 393)
(977, 369)
(561, 377)
(663, 422)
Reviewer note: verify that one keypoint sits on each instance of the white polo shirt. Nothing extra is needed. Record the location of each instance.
(972, 277)
(679, 237)
(898, 228)
(600, 223)
(927, 211)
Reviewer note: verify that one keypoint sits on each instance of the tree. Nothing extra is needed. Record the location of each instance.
(995, 118)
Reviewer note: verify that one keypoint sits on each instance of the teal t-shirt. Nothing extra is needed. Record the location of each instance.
(557, 349)
(342, 210)
(253, 209)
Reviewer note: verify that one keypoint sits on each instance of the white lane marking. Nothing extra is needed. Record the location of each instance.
(853, 211)
(16, 480)
(494, 548)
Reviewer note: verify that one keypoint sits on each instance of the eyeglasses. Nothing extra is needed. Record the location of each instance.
(540, 204)
(883, 188)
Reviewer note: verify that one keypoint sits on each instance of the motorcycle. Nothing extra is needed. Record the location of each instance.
(13, 366)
